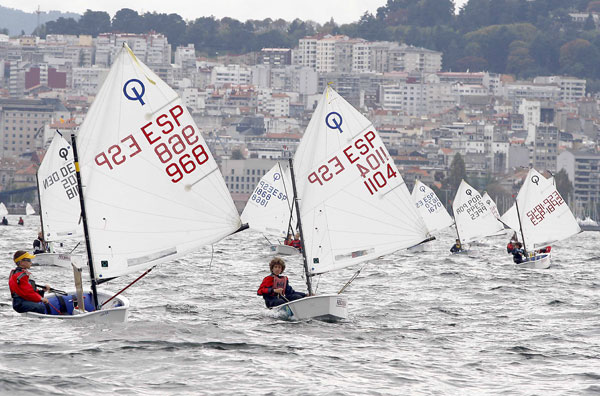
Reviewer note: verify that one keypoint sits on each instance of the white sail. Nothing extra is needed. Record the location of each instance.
(152, 189)
(59, 197)
(511, 219)
(432, 210)
(491, 205)
(269, 207)
(474, 220)
(29, 209)
(545, 216)
(354, 204)
(3, 210)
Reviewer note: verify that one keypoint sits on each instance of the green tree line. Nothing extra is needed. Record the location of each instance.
(520, 37)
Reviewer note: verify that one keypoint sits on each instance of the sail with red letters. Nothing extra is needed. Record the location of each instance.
(152, 190)
(543, 216)
(269, 207)
(354, 204)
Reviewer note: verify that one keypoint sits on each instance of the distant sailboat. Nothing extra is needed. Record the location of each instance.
(269, 208)
(29, 209)
(351, 202)
(491, 205)
(150, 190)
(432, 210)
(474, 219)
(3, 210)
(60, 211)
(541, 217)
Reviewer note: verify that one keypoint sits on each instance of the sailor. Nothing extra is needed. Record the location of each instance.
(21, 222)
(511, 245)
(544, 249)
(275, 288)
(4, 221)
(517, 253)
(457, 247)
(40, 245)
(296, 242)
(23, 290)
(288, 240)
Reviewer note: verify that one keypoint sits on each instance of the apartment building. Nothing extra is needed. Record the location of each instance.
(571, 89)
(583, 169)
(230, 74)
(22, 122)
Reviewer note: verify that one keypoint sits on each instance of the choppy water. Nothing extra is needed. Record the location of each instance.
(426, 323)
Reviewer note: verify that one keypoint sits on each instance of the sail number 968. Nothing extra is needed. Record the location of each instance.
(175, 145)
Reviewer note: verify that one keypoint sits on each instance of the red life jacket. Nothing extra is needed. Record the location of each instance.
(15, 283)
(279, 282)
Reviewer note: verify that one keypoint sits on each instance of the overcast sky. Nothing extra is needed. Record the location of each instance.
(342, 11)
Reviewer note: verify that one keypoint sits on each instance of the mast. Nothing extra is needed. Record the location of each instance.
(520, 227)
(85, 225)
(306, 273)
(457, 234)
(37, 182)
(288, 200)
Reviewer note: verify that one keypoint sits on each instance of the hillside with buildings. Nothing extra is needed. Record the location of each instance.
(253, 109)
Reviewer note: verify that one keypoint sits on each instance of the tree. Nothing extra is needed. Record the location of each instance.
(589, 23)
(471, 63)
(94, 23)
(62, 26)
(580, 58)
(128, 21)
(457, 172)
(236, 154)
(564, 185)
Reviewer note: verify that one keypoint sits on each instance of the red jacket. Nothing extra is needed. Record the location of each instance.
(20, 285)
(266, 287)
(297, 244)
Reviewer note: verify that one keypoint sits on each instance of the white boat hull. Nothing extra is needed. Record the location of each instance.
(327, 307)
(114, 312)
(539, 261)
(284, 250)
(56, 259)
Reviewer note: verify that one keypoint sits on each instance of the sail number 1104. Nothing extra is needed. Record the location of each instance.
(368, 154)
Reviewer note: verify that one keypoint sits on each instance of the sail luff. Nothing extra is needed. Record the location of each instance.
(93, 280)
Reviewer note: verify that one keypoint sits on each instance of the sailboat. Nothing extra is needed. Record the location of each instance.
(29, 209)
(432, 210)
(149, 189)
(491, 205)
(3, 210)
(474, 219)
(60, 211)
(541, 217)
(352, 204)
(269, 208)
